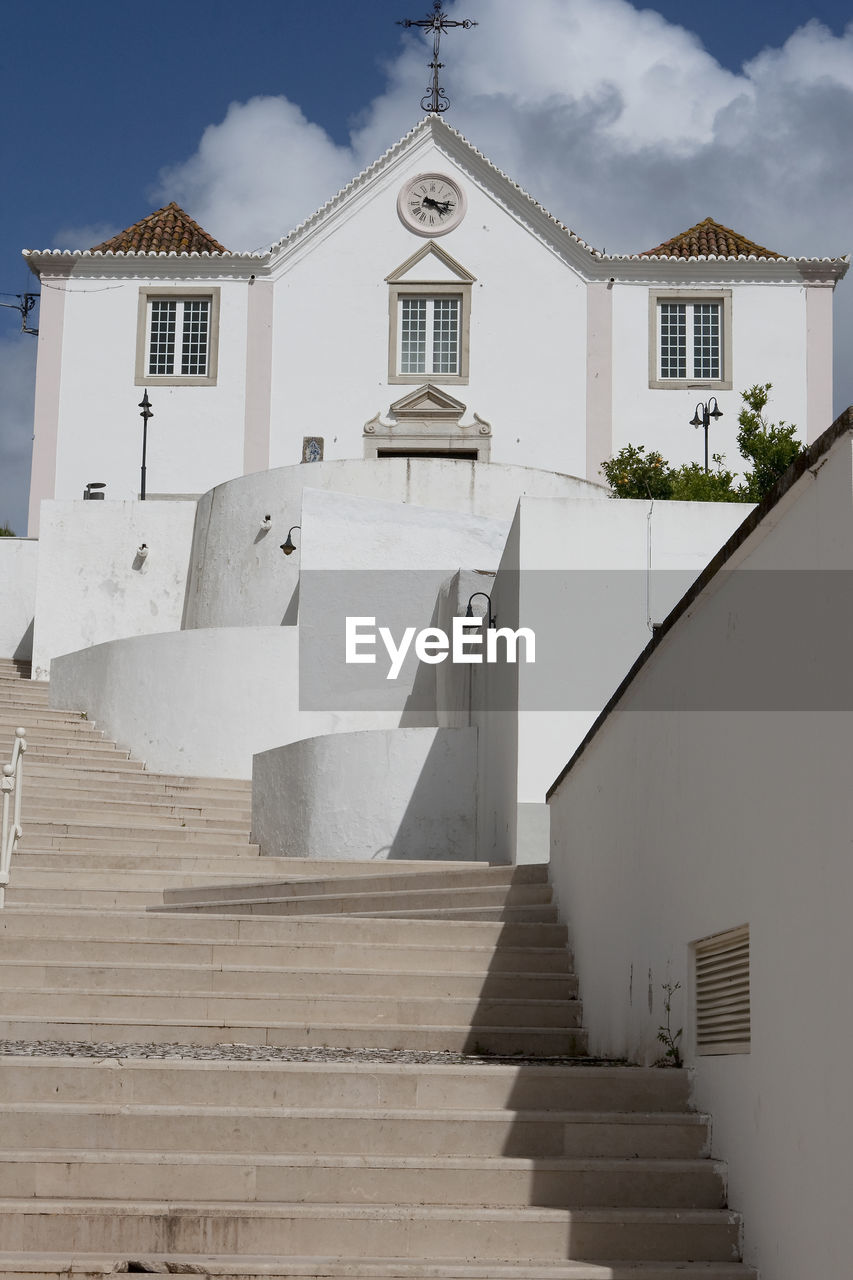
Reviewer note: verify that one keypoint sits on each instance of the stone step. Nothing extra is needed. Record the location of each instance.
(86, 900)
(335, 1131)
(178, 783)
(44, 718)
(170, 840)
(510, 915)
(41, 809)
(135, 791)
(365, 1230)
(80, 762)
(573, 1093)
(69, 878)
(460, 1181)
(38, 831)
(368, 1008)
(397, 958)
(547, 1042)
(341, 930)
(445, 877)
(192, 861)
(359, 899)
(255, 979)
(53, 1266)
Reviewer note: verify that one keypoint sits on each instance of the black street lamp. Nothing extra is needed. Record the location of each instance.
(702, 418)
(147, 412)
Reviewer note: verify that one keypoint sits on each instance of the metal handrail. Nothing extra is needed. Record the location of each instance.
(11, 787)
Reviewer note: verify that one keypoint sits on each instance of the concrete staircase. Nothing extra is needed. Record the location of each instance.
(275, 1078)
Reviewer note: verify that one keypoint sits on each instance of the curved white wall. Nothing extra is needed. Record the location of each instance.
(238, 575)
(406, 793)
(199, 703)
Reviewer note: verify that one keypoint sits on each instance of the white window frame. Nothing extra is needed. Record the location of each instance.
(430, 292)
(147, 296)
(688, 298)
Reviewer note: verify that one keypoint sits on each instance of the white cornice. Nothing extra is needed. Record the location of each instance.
(145, 266)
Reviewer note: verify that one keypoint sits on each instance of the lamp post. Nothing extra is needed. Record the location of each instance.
(147, 412)
(702, 418)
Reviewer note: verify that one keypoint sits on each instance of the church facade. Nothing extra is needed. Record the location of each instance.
(430, 308)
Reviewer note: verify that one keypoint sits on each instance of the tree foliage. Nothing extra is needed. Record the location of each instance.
(6, 532)
(769, 447)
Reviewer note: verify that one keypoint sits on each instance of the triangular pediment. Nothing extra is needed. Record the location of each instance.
(428, 402)
(430, 265)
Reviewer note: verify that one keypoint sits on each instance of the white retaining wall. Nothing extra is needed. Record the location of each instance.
(93, 586)
(401, 794)
(238, 575)
(676, 823)
(18, 567)
(199, 703)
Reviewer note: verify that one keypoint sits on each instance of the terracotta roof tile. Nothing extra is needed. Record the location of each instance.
(710, 240)
(169, 230)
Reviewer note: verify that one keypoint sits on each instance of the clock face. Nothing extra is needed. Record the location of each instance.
(431, 204)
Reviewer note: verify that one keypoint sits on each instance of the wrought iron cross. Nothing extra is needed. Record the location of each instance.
(436, 99)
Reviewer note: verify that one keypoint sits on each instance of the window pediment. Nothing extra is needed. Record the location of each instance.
(430, 265)
(428, 403)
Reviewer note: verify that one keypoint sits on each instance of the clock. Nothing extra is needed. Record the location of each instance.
(431, 204)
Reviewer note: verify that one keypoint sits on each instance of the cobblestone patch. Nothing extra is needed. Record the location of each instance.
(272, 1053)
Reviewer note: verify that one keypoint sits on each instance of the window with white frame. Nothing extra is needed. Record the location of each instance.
(429, 332)
(690, 340)
(177, 336)
(429, 312)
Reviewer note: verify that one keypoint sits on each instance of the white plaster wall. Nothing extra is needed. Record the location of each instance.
(18, 566)
(400, 794)
(239, 576)
(383, 560)
(768, 345)
(576, 573)
(676, 823)
(528, 327)
(92, 586)
(195, 438)
(199, 703)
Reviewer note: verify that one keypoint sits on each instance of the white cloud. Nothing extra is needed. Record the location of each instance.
(620, 122)
(17, 376)
(83, 237)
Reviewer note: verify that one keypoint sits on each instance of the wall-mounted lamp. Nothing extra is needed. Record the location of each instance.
(289, 546)
(469, 612)
(702, 418)
(266, 523)
(89, 494)
(142, 551)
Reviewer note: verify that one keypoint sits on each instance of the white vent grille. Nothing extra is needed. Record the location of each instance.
(722, 992)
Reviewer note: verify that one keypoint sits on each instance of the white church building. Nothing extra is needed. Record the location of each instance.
(430, 307)
(400, 411)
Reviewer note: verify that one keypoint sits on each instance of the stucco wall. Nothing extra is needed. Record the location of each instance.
(18, 567)
(199, 703)
(399, 794)
(768, 345)
(239, 576)
(93, 586)
(587, 578)
(716, 794)
(195, 438)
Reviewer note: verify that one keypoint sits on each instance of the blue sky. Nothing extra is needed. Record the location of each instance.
(104, 114)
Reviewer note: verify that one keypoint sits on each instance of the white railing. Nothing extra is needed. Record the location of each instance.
(11, 830)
